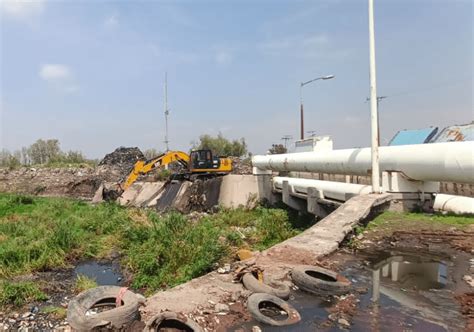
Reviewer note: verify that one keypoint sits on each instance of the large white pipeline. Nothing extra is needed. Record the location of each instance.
(451, 162)
(330, 189)
(453, 203)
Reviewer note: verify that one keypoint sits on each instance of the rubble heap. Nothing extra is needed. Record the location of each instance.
(120, 162)
(241, 166)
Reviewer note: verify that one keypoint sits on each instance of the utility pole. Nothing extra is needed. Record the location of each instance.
(167, 112)
(379, 99)
(286, 138)
(373, 103)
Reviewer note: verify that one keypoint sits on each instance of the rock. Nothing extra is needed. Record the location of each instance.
(469, 280)
(224, 269)
(221, 307)
(34, 309)
(332, 317)
(343, 322)
(244, 254)
(26, 315)
(235, 296)
(256, 329)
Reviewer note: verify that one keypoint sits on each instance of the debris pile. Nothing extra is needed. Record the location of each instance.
(119, 162)
(241, 166)
(77, 182)
(203, 195)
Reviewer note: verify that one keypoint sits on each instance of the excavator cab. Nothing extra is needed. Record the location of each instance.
(202, 161)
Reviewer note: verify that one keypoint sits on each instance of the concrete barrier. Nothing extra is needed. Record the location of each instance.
(238, 190)
(229, 191)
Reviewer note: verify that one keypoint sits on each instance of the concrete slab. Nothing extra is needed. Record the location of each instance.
(98, 198)
(129, 195)
(148, 191)
(237, 190)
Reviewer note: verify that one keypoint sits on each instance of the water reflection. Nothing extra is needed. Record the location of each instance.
(410, 273)
(401, 277)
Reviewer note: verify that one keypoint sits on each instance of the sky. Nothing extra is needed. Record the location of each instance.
(91, 73)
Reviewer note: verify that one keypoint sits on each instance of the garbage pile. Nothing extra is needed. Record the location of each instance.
(241, 166)
(120, 162)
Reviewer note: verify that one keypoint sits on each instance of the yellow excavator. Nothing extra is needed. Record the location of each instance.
(197, 163)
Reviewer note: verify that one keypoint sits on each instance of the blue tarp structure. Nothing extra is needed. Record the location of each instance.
(413, 136)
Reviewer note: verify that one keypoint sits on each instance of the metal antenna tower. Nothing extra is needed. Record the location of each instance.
(167, 112)
(286, 138)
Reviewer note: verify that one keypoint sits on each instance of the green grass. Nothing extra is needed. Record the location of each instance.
(38, 234)
(83, 283)
(56, 312)
(19, 293)
(389, 222)
(44, 233)
(420, 220)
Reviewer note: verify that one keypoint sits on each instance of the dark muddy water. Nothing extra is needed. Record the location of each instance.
(405, 292)
(102, 273)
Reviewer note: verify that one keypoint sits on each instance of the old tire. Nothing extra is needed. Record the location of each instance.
(171, 320)
(116, 318)
(318, 280)
(257, 301)
(252, 284)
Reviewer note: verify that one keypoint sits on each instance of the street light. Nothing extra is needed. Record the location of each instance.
(302, 84)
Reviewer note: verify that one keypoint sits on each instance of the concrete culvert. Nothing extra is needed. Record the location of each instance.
(79, 314)
(252, 284)
(171, 321)
(272, 310)
(318, 280)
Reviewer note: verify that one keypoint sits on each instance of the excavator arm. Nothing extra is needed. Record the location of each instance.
(143, 167)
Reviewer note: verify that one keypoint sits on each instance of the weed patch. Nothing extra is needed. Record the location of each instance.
(19, 293)
(83, 283)
(160, 251)
(56, 312)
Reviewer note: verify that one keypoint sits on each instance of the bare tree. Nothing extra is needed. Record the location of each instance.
(151, 153)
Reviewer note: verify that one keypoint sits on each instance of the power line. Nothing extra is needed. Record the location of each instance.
(429, 88)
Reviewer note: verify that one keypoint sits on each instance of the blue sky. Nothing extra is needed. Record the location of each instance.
(90, 73)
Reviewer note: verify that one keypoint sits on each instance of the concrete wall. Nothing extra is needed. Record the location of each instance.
(229, 191)
(238, 190)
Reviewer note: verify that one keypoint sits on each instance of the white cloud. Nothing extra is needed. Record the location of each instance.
(59, 77)
(303, 45)
(22, 9)
(111, 21)
(223, 58)
(54, 72)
